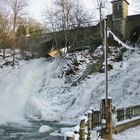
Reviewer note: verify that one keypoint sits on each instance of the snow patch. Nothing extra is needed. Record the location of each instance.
(45, 128)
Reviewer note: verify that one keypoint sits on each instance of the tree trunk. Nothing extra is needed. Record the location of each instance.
(4, 52)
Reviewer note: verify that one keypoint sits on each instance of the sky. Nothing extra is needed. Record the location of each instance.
(36, 7)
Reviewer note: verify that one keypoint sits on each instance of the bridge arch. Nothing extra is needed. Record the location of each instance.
(134, 34)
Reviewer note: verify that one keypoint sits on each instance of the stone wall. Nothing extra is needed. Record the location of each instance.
(132, 26)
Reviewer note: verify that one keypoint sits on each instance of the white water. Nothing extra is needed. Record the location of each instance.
(20, 89)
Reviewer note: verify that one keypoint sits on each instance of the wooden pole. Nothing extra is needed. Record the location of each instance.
(89, 125)
(107, 116)
(92, 118)
(107, 102)
(69, 136)
(82, 129)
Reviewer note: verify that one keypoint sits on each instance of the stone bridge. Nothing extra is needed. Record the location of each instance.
(79, 38)
(124, 26)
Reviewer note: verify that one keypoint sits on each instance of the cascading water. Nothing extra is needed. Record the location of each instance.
(22, 88)
(23, 95)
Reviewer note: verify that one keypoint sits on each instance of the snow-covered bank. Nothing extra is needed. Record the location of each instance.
(130, 134)
(28, 90)
(124, 87)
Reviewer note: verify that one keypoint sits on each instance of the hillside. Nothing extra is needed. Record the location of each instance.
(38, 91)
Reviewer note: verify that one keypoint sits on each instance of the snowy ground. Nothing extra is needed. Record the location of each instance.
(130, 134)
(33, 89)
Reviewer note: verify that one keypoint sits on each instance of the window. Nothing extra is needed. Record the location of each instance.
(119, 7)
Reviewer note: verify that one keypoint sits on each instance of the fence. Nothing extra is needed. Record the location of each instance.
(85, 129)
(128, 112)
(94, 119)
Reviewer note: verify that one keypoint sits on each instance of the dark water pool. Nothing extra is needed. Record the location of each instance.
(12, 131)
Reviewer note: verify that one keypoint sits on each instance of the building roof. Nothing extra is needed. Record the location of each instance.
(133, 16)
(119, 0)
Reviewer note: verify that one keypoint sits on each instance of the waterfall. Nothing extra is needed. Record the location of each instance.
(20, 88)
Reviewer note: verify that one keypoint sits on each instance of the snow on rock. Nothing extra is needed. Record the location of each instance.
(71, 66)
(69, 134)
(119, 41)
(124, 87)
(77, 128)
(82, 118)
(77, 136)
(45, 128)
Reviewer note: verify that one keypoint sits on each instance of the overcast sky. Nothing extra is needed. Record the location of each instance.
(36, 7)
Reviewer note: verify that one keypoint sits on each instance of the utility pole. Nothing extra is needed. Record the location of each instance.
(106, 102)
(106, 59)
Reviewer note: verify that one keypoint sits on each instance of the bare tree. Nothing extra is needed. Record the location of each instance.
(63, 13)
(68, 15)
(34, 27)
(59, 20)
(16, 8)
(4, 27)
(52, 24)
(79, 16)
